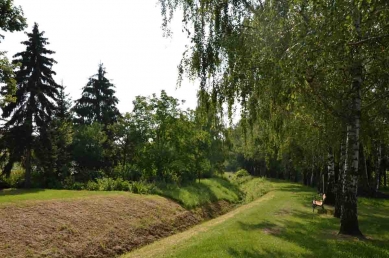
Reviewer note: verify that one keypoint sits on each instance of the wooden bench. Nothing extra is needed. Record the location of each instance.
(316, 203)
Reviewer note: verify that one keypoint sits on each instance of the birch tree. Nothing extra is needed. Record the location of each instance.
(265, 53)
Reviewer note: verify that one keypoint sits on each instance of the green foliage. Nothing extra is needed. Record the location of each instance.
(165, 143)
(88, 150)
(241, 173)
(109, 184)
(15, 179)
(255, 188)
(11, 17)
(7, 77)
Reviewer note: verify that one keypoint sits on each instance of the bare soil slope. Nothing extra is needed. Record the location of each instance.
(101, 226)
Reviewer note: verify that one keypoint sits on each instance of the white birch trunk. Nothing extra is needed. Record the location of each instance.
(330, 189)
(378, 169)
(339, 184)
(349, 218)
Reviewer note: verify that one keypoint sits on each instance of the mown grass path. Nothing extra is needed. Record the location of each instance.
(280, 224)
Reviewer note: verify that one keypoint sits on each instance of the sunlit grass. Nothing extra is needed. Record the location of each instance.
(20, 195)
(284, 226)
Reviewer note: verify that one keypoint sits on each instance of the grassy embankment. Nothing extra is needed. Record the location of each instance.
(233, 190)
(280, 224)
(104, 224)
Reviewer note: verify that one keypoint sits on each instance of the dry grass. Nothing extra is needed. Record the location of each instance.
(98, 226)
(90, 227)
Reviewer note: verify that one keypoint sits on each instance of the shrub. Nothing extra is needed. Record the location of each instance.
(241, 173)
(71, 184)
(141, 187)
(92, 186)
(15, 179)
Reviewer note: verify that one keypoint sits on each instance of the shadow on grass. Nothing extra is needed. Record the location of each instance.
(266, 226)
(319, 235)
(13, 192)
(201, 193)
(254, 253)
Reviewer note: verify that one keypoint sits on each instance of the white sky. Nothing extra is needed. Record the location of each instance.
(125, 35)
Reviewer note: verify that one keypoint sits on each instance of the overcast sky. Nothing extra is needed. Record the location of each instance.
(125, 35)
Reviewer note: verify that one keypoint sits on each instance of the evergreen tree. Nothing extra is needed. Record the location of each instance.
(97, 103)
(35, 101)
(53, 151)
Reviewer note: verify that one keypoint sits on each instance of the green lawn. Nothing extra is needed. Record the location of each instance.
(20, 195)
(280, 224)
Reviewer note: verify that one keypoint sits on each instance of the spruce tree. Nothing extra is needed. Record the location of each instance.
(97, 103)
(53, 149)
(35, 101)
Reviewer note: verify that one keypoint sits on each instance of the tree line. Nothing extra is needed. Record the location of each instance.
(60, 143)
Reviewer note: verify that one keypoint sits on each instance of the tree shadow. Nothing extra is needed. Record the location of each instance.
(13, 192)
(320, 235)
(254, 253)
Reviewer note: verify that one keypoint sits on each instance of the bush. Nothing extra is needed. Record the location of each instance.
(110, 184)
(241, 173)
(15, 179)
(92, 186)
(71, 184)
(140, 187)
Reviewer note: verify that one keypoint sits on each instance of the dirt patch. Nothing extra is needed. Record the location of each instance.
(91, 227)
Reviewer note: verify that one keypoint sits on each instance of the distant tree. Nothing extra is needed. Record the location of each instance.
(11, 19)
(97, 103)
(88, 151)
(7, 79)
(35, 100)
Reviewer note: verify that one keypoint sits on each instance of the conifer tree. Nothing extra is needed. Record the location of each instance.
(97, 103)
(53, 150)
(35, 101)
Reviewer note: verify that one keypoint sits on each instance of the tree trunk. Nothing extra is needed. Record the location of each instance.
(27, 175)
(384, 169)
(339, 184)
(349, 217)
(330, 193)
(364, 185)
(378, 168)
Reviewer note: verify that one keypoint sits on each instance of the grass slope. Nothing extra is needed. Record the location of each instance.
(280, 224)
(103, 224)
(198, 194)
